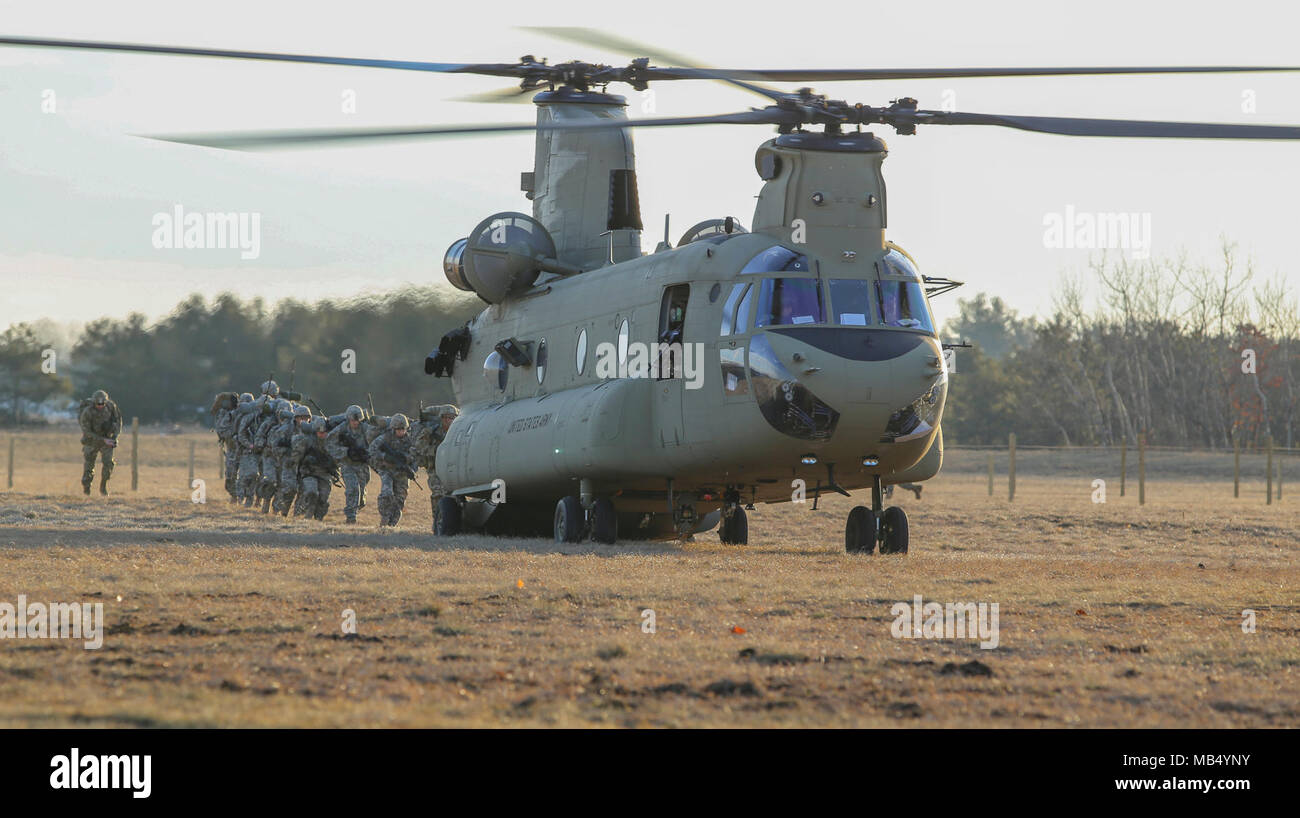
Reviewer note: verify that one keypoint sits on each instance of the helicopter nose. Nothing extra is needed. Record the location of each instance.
(887, 388)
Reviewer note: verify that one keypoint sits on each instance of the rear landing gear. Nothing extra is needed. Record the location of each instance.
(447, 521)
(569, 520)
(573, 523)
(734, 529)
(867, 527)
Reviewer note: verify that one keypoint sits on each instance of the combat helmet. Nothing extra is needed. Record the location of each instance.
(270, 388)
(247, 397)
(399, 421)
(301, 411)
(285, 411)
(318, 424)
(99, 398)
(353, 412)
(432, 413)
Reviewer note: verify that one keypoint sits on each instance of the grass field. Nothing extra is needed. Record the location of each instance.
(1111, 615)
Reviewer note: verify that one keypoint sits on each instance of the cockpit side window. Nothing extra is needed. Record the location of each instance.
(900, 294)
(777, 259)
(783, 301)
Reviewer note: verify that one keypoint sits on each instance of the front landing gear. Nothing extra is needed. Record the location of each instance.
(734, 529)
(867, 527)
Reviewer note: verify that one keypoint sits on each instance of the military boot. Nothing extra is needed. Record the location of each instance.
(85, 487)
(103, 486)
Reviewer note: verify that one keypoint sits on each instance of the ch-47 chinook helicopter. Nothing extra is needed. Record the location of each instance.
(611, 392)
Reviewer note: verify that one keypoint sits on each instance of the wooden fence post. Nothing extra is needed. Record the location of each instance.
(1142, 468)
(1236, 467)
(11, 460)
(1280, 460)
(990, 474)
(1011, 470)
(135, 454)
(1268, 448)
(1123, 464)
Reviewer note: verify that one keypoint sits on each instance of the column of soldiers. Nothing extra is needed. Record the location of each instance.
(280, 457)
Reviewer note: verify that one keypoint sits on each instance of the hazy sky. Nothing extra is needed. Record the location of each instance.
(79, 192)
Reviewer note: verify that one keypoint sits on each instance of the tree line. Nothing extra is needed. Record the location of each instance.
(332, 351)
(1189, 354)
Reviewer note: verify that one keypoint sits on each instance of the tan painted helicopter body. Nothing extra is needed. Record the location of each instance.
(722, 425)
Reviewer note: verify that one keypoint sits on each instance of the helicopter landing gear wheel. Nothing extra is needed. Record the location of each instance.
(893, 533)
(447, 523)
(860, 531)
(734, 529)
(569, 520)
(604, 521)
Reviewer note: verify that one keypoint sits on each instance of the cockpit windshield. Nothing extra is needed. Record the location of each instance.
(783, 301)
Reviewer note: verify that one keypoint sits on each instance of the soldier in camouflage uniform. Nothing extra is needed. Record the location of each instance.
(223, 407)
(315, 468)
(282, 443)
(101, 423)
(346, 443)
(270, 482)
(390, 455)
(250, 461)
(427, 434)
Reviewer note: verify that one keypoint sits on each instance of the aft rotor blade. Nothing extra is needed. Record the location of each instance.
(834, 75)
(1111, 127)
(622, 45)
(494, 69)
(271, 139)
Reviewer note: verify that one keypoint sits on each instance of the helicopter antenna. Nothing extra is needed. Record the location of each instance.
(667, 244)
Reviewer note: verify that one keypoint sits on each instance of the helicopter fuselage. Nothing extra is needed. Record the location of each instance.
(805, 351)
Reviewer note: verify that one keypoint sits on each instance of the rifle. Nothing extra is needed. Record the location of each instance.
(355, 450)
(322, 460)
(316, 407)
(402, 461)
(371, 403)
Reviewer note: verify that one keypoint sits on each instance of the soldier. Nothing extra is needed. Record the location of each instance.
(271, 389)
(101, 423)
(390, 456)
(346, 443)
(249, 460)
(428, 433)
(912, 487)
(224, 408)
(270, 482)
(283, 444)
(315, 468)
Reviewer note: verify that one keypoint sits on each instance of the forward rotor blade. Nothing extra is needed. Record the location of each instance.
(493, 69)
(1070, 126)
(506, 95)
(622, 45)
(271, 139)
(834, 75)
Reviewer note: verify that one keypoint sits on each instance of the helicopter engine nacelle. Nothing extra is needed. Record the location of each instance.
(500, 257)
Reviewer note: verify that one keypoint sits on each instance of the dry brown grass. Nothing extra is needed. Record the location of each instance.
(1111, 615)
